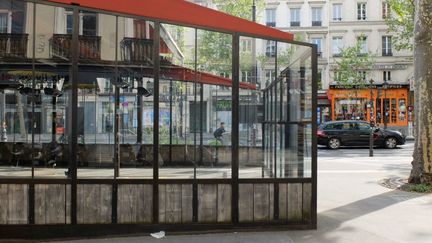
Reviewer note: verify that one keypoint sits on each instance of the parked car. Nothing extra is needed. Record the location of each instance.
(356, 133)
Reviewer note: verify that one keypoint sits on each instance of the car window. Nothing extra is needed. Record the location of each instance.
(364, 126)
(354, 126)
(334, 126)
(346, 126)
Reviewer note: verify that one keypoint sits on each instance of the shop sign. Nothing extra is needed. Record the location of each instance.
(390, 67)
(223, 105)
(389, 86)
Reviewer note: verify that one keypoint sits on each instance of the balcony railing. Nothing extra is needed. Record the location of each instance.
(137, 50)
(89, 46)
(13, 45)
(316, 23)
(295, 23)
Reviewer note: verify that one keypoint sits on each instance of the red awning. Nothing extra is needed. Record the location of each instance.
(184, 13)
(184, 74)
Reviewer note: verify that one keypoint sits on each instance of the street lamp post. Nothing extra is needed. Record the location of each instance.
(371, 116)
(253, 11)
(385, 106)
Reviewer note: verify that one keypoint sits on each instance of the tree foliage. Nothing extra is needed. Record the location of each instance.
(239, 8)
(214, 48)
(401, 21)
(351, 65)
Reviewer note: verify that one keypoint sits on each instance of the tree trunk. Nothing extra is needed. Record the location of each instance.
(422, 164)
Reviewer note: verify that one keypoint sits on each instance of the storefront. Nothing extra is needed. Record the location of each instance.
(390, 107)
(109, 109)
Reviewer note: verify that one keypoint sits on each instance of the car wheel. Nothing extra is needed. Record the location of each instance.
(334, 143)
(390, 143)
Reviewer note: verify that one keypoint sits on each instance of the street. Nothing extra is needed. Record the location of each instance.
(353, 204)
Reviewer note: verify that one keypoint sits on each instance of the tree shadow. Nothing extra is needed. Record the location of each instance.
(330, 222)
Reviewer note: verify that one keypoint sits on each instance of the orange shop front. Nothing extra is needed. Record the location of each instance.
(390, 107)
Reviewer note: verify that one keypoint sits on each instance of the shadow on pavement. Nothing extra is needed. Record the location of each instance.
(330, 222)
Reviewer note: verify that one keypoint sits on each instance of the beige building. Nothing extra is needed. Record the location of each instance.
(335, 24)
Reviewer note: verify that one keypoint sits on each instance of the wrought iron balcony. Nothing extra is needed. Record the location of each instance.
(137, 50)
(13, 45)
(89, 46)
(316, 23)
(295, 23)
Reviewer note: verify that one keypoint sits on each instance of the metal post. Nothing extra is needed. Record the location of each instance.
(253, 11)
(370, 120)
(171, 119)
(54, 116)
(139, 114)
(73, 131)
(384, 103)
(156, 67)
(235, 128)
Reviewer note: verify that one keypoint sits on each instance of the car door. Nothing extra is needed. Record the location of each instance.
(364, 130)
(345, 134)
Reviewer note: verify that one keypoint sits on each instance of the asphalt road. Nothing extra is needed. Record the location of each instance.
(353, 205)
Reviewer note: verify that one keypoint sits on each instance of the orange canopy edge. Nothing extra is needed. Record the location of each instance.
(183, 13)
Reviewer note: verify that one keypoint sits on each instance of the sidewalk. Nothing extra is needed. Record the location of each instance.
(352, 206)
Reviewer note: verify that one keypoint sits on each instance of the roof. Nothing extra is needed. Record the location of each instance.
(185, 74)
(183, 13)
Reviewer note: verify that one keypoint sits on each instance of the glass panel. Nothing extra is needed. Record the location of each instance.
(214, 63)
(386, 111)
(96, 97)
(178, 95)
(297, 78)
(402, 110)
(393, 110)
(297, 150)
(16, 89)
(378, 111)
(133, 107)
(260, 70)
(293, 139)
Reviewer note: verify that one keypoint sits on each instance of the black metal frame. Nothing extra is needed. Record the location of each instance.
(74, 229)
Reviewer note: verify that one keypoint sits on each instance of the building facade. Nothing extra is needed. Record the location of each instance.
(335, 24)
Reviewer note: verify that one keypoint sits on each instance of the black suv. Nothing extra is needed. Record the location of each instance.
(356, 133)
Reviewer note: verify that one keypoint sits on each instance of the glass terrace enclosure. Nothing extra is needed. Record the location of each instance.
(108, 120)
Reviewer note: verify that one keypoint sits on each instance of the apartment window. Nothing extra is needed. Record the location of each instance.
(4, 22)
(270, 75)
(361, 11)
(387, 46)
(295, 16)
(316, 16)
(246, 76)
(362, 75)
(88, 23)
(271, 17)
(69, 21)
(224, 74)
(385, 10)
(318, 42)
(271, 49)
(386, 76)
(337, 12)
(362, 41)
(337, 45)
(337, 76)
(246, 45)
